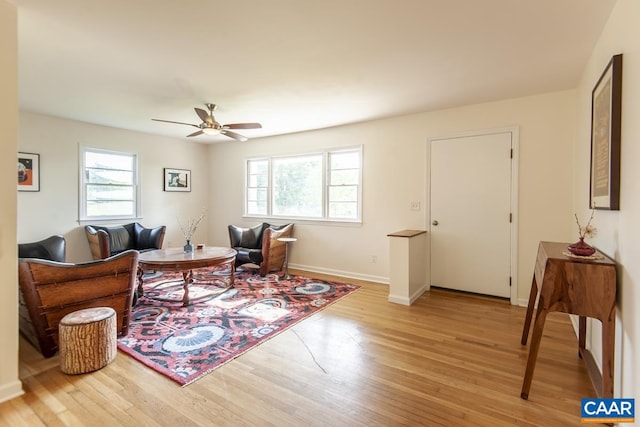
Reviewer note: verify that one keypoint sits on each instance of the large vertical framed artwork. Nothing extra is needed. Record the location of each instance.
(606, 113)
(28, 172)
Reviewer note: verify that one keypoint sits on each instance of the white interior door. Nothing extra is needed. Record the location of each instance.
(470, 199)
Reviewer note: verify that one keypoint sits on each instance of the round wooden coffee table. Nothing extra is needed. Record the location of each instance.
(174, 259)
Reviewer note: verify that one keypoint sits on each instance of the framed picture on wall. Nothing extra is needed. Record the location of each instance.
(28, 172)
(177, 179)
(606, 106)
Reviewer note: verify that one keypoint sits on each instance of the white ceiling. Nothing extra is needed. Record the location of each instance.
(293, 65)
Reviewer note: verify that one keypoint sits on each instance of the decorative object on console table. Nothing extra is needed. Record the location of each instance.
(177, 179)
(28, 172)
(606, 113)
(580, 248)
(189, 229)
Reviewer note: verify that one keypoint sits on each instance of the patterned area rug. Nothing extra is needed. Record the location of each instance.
(186, 343)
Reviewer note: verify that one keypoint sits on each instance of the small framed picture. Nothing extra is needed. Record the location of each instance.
(28, 172)
(177, 179)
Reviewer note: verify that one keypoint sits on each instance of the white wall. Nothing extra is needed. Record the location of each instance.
(394, 174)
(10, 385)
(618, 231)
(54, 209)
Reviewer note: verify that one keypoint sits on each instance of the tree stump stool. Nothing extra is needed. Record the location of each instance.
(88, 340)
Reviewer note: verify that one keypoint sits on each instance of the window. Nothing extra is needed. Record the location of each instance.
(344, 184)
(322, 186)
(108, 185)
(257, 186)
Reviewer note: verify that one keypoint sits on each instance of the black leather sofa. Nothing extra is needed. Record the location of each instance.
(106, 241)
(52, 248)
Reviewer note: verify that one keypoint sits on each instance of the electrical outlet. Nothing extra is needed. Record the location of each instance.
(414, 206)
(374, 259)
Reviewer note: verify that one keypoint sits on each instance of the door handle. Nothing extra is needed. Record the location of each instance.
(434, 222)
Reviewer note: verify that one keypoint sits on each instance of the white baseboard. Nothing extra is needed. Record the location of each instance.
(407, 300)
(348, 274)
(10, 390)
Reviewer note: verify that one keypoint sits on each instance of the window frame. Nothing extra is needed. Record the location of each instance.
(326, 185)
(329, 185)
(83, 217)
(247, 176)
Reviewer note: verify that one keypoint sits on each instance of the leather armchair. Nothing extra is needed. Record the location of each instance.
(248, 243)
(112, 240)
(259, 245)
(53, 289)
(52, 248)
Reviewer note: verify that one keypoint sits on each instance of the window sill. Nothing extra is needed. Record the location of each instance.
(115, 220)
(309, 221)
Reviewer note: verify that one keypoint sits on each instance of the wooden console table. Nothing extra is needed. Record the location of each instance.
(576, 286)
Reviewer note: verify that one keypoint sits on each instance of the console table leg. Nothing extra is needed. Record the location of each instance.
(532, 302)
(582, 335)
(608, 346)
(538, 326)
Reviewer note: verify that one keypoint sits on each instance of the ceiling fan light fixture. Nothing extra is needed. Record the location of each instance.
(211, 127)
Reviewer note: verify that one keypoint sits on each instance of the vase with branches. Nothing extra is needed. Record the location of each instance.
(581, 248)
(189, 228)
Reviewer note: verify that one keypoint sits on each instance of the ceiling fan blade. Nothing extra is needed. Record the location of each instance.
(177, 123)
(242, 126)
(204, 115)
(234, 135)
(195, 133)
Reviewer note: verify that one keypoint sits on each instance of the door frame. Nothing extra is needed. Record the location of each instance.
(515, 147)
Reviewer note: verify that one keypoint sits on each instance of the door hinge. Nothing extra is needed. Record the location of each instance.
(510, 217)
(511, 153)
(509, 281)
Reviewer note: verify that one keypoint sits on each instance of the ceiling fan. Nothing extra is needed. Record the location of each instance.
(210, 126)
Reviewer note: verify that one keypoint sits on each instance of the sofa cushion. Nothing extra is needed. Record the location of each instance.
(119, 239)
(147, 238)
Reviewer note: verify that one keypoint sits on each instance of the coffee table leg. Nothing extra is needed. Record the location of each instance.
(232, 280)
(187, 277)
(140, 290)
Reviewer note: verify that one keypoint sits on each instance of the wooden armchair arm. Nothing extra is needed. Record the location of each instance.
(274, 251)
(98, 242)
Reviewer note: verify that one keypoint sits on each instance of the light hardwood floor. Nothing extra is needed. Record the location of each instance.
(450, 359)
